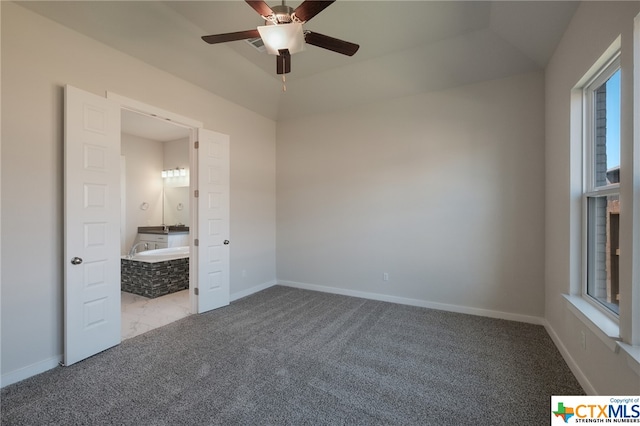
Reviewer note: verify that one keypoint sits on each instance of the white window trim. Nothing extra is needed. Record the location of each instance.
(603, 323)
(608, 64)
(632, 324)
(633, 321)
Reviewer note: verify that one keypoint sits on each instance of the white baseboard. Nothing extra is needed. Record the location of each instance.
(417, 302)
(248, 292)
(573, 366)
(30, 370)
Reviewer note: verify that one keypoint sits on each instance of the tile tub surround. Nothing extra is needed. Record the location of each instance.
(154, 279)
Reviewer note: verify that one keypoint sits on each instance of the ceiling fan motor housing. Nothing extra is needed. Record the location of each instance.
(282, 14)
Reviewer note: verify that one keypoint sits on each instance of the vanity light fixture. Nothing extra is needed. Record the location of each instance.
(177, 172)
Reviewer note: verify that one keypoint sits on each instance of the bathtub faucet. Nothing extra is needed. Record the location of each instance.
(132, 252)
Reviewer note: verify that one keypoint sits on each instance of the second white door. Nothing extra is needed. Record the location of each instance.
(212, 251)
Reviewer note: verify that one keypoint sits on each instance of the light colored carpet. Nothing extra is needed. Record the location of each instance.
(290, 356)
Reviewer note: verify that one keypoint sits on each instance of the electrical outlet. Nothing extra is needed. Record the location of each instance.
(583, 340)
(385, 276)
(244, 273)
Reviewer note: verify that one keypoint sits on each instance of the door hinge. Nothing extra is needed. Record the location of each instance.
(196, 242)
(196, 291)
(196, 144)
(196, 193)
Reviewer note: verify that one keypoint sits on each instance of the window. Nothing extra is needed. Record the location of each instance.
(602, 185)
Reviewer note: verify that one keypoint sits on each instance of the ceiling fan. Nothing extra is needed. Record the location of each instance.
(282, 33)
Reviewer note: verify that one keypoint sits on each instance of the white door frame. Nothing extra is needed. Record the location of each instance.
(192, 125)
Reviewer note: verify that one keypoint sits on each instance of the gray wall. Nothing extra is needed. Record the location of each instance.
(38, 58)
(443, 191)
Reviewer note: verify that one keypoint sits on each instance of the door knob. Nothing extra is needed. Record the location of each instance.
(226, 242)
(76, 260)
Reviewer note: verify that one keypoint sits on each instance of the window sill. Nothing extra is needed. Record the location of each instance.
(598, 322)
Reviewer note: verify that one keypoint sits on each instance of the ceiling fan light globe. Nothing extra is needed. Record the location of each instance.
(285, 36)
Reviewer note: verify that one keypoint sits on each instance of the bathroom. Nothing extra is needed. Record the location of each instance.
(155, 217)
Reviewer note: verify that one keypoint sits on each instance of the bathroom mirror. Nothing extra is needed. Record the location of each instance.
(176, 205)
(175, 182)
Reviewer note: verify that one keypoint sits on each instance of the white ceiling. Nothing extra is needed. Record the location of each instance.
(406, 47)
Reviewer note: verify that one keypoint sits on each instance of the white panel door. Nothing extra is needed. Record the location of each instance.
(213, 220)
(92, 225)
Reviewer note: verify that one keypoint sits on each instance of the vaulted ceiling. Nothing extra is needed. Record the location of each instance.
(406, 47)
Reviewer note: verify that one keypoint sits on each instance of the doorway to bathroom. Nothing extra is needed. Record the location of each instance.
(155, 218)
(194, 203)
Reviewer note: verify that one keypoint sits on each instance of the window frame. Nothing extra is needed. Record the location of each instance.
(589, 187)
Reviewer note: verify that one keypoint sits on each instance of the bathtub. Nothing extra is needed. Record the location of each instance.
(154, 273)
(161, 255)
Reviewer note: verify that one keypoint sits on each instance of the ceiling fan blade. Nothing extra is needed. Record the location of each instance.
(330, 43)
(310, 8)
(223, 38)
(261, 7)
(283, 62)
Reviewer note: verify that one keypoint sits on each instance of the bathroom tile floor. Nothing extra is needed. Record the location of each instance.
(141, 314)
